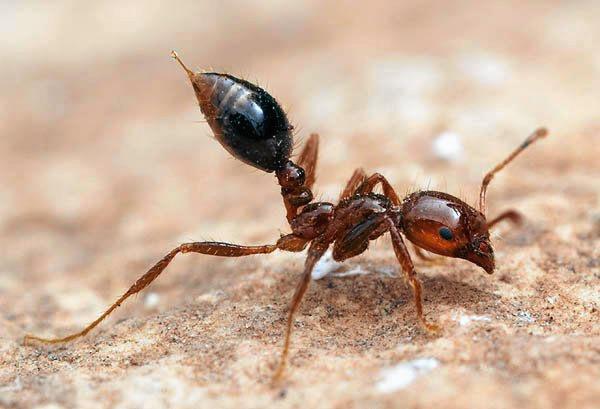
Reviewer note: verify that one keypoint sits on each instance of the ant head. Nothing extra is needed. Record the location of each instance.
(445, 225)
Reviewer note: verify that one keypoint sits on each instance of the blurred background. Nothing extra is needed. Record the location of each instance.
(100, 129)
(106, 163)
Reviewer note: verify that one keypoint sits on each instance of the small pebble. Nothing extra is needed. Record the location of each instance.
(151, 300)
(525, 316)
(448, 146)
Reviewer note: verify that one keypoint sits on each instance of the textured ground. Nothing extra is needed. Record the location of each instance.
(105, 166)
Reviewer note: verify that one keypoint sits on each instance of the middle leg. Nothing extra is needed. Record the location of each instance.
(409, 272)
(368, 185)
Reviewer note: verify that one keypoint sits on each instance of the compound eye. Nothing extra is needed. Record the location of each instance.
(446, 233)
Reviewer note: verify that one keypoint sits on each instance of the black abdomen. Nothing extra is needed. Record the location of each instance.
(245, 119)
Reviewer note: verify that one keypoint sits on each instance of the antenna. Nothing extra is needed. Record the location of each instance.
(537, 134)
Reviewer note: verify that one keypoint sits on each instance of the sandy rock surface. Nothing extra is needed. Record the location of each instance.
(106, 165)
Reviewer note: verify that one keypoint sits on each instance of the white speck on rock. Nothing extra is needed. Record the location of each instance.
(355, 271)
(151, 300)
(403, 374)
(448, 146)
(388, 271)
(325, 266)
(212, 297)
(525, 316)
(328, 266)
(465, 320)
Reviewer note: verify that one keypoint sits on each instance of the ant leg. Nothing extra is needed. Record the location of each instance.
(512, 215)
(368, 185)
(288, 243)
(315, 252)
(410, 274)
(426, 257)
(357, 178)
(421, 254)
(308, 159)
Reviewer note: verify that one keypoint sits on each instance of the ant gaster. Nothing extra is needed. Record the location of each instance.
(252, 127)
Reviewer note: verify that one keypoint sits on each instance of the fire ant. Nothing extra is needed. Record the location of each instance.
(253, 127)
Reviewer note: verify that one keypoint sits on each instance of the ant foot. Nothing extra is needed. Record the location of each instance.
(30, 340)
(432, 329)
(278, 375)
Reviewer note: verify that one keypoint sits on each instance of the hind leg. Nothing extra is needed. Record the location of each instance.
(368, 185)
(289, 243)
(308, 159)
(357, 178)
(315, 252)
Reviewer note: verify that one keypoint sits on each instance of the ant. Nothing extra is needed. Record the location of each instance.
(252, 126)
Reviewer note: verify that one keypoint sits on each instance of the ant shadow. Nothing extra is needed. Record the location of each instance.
(375, 297)
(437, 289)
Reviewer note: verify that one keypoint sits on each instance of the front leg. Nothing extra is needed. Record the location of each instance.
(409, 272)
(511, 215)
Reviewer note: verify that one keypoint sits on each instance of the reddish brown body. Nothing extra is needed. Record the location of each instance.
(251, 126)
(424, 214)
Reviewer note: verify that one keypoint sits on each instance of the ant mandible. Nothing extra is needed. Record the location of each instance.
(252, 127)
